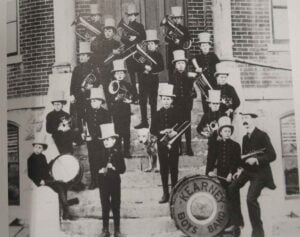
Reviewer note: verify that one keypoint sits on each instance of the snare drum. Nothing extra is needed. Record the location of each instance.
(198, 206)
(66, 168)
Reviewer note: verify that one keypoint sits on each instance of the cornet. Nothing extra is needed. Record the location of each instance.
(87, 135)
(120, 91)
(91, 30)
(89, 80)
(173, 32)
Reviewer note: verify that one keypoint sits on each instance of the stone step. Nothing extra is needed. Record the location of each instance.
(142, 227)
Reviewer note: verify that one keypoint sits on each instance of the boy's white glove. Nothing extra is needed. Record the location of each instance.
(229, 177)
(237, 174)
(212, 173)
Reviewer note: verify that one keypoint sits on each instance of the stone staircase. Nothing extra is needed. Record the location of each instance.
(141, 215)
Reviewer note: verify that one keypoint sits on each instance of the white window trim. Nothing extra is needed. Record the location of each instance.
(17, 58)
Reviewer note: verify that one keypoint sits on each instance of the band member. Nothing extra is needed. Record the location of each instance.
(229, 97)
(58, 123)
(120, 104)
(95, 20)
(224, 162)
(111, 166)
(128, 39)
(164, 121)
(205, 63)
(39, 172)
(148, 82)
(175, 44)
(209, 122)
(94, 116)
(84, 77)
(256, 169)
(183, 88)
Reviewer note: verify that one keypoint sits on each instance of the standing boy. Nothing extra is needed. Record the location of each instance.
(111, 166)
(148, 82)
(205, 63)
(120, 104)
(94, 116)
(128, 39)
(164, 121)
(39, 172)
(183, 88)
(58, 124)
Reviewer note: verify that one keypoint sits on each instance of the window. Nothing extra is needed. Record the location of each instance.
(13, 165)
(289, 155)
(280, 21)
(12, 28)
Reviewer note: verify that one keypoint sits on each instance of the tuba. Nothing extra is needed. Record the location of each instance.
(173, 32)
(91, 30)
(89, 80)
(121, 93)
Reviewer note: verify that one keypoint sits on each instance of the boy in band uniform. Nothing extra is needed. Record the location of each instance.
(209, 122)
(111, 166)
(95, 20)
(205, 63)
(39, 172)
(177, 16)
(256, 169)
(165, 119)
(230, 99)
(94, 117)
(149, 80)
(120, 105)
(224, 162)
(129, 40)
(183, 82)
(79, 90)
(58, 124)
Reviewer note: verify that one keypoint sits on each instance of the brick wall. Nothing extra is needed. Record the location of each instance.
(252, 35)
(36, 31)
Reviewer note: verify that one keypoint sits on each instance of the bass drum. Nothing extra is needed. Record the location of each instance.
(66, 168)
(198, 206)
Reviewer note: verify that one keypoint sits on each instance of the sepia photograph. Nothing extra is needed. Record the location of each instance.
(150, 118)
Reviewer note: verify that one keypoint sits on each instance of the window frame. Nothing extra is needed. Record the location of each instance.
(277, 6)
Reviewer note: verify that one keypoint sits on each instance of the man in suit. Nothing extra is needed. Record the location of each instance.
(255, 169)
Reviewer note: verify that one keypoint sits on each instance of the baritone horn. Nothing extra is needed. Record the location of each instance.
(115, 88)
(88, 81)
(91, 30)
(173, 32)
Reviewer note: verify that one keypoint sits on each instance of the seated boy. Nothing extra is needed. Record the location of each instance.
(112, 164)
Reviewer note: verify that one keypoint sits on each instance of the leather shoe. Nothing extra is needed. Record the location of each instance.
(164, 199)
(118, 234)
(142, 125)
(105, 233)
(189, 152)
(92, 186)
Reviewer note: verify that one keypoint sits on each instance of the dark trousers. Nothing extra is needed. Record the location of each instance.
(61, 189)
(205, 106)
(148, 90)
(132, 74)
(186, 116)
(125, 137)
(110, 196)
(168, 160)
(95, 152)
(63, 141)
(256, 185)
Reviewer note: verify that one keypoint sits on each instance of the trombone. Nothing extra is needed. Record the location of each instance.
(181, 129)
(80, 21)
(127, 30)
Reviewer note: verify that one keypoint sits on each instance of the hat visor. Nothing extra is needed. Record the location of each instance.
(253, 115)
(224, 73)
(177, 15)
(61, 101)
(132, 13)
(154, 40)
(175, 60)
(219, 102)
(224, 126)
(113, 135)
(167, 95)
(96, 98)
(45, 146)
(200, 42)
(84, 53)
(110, 27)
(124, 70)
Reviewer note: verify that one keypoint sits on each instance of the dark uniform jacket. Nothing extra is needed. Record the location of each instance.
(229, 96)
(79, 74)
(137, 27)
(226, 158)
(259, 140)
(53, 120)
(95, 117)
(183, 86)
(208, 64)
(164, 118)
(38, 169)
(115, 157)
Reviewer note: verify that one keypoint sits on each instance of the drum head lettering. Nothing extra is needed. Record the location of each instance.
(198, 206)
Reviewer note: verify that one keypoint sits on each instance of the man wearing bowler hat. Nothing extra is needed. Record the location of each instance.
(256, 169)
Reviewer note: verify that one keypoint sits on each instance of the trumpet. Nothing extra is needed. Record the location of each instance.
(173, 32)
(122, 94)
(127, 30)
(65, 124)
(88, 81)
(91, 30)
(87, 135)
